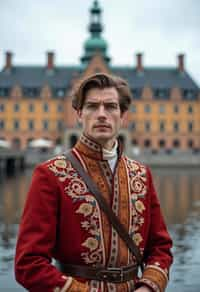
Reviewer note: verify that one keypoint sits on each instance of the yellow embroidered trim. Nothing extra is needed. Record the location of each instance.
(159, 269)
(156, 276)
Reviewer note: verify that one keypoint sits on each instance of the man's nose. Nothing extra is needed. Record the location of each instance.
(101, 112)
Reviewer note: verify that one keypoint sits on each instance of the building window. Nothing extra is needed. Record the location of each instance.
(133, 108)
(189, 94)
(161, 93)
(59, 92)
(176, 126)
(190, 109)
(60, 108)
(4, 92)
(60, 125)
(31, 107)
(31, 125)
(176, 108)
(2, 124)
(147, 108)
(45, 125)
(16, 107)
(147, 143)
(16, 124)
(45, 107)
(190, 126)
(132, 126)
(162, 143)
(31, 92)
(134, 142)
(190, 143)
(176, 143)
(162, 126)
(2, 107)
(162, 109)
(136, 93)
(147, 126)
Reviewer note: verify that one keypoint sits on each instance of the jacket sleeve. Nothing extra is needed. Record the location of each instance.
(37, 237)
(157, 253)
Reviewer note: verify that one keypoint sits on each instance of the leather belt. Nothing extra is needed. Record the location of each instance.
(108, 274)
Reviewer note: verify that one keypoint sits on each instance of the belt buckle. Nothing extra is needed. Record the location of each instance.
(114, 275)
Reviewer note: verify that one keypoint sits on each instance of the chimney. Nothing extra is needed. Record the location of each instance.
(139, 66)
(181, 66)
(50, 60)
(8, 61)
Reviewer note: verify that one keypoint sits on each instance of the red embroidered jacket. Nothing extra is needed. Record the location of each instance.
(62, 220)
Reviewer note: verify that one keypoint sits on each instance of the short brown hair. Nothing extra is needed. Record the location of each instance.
(101, 81)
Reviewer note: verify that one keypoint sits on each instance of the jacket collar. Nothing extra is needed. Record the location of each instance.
(92, 149)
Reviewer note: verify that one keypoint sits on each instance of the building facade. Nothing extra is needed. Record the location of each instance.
(35, 101)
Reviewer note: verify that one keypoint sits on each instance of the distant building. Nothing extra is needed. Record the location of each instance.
(35, 101)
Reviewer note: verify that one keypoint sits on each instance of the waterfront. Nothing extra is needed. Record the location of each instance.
(179, 192)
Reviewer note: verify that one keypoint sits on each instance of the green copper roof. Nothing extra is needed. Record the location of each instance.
(95, 43)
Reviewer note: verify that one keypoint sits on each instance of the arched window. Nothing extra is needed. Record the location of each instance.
(190, 143)
(176, 143)
(162, 143)
(134, 142)
(147, 143)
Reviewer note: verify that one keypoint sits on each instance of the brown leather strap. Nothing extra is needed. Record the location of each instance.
(110, 274)
(107, 210)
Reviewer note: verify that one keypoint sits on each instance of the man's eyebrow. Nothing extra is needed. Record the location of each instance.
(106, 101)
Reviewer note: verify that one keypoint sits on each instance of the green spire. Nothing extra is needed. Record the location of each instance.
(95, 43)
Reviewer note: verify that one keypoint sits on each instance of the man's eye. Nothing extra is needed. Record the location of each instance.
(91, 106)
(111, 106)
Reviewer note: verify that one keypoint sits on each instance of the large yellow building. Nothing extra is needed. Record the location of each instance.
(35, 101)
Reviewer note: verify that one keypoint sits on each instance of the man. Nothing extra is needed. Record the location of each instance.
(62, 219)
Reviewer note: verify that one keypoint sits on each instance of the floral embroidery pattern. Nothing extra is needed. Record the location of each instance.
(137, 183)
(87, 209)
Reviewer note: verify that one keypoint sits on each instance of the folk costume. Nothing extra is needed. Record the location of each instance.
(62, 220)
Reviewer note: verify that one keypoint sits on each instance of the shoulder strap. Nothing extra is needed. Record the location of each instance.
(107, 210)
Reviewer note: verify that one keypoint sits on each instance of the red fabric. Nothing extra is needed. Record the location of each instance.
(50, 228)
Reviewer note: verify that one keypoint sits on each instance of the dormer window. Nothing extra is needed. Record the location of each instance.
(189, 94)
(161, 93)
(4, 91)
(59, 92)
(31, 91)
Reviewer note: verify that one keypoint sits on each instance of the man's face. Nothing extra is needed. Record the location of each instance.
(101, 116)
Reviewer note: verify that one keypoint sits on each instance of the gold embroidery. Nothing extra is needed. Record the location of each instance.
(91, 243)
(60, 163)
(85, 209)
(137, 238)
(139, 206)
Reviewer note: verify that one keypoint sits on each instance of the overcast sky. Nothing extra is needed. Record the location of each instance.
(159, 29)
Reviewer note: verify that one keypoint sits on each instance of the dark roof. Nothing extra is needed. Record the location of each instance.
(156, 77)
(37, 76)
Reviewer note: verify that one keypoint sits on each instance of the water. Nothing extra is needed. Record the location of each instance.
(179, 192)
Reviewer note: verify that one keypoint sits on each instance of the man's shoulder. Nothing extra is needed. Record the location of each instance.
(58, 165)
(58, 160)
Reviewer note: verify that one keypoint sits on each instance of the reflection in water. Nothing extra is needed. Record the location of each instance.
(179, 192)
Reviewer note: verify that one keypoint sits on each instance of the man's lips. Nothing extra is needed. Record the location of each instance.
(102, 126)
